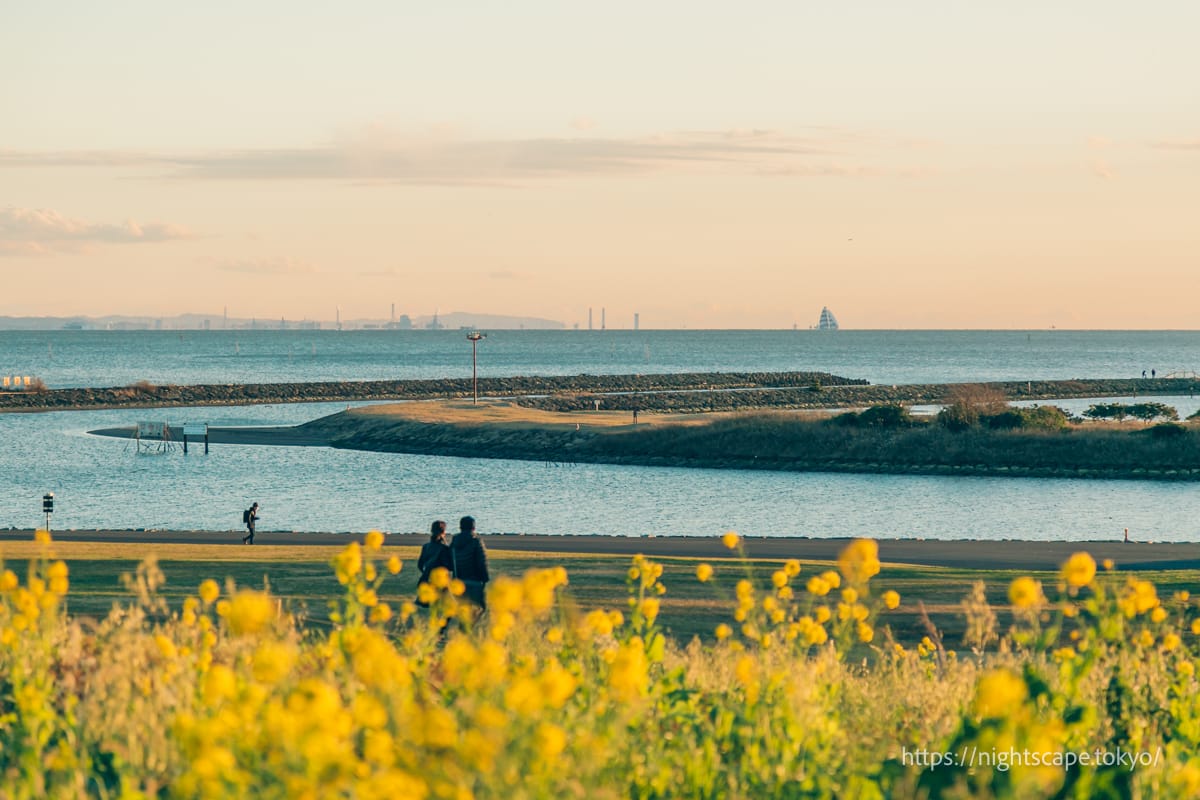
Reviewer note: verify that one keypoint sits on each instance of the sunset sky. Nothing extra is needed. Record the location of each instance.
(708, 165)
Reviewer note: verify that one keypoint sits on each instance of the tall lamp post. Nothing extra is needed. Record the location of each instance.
(474, 337)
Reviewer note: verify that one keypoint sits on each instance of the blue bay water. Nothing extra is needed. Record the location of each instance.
(118, 358)
(103, 483)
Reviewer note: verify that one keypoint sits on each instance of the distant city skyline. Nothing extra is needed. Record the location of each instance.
(700, 165)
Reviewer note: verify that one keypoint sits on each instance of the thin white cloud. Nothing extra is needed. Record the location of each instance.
(443, 157)
(40, 231)
(280, 265)
(1177, 144)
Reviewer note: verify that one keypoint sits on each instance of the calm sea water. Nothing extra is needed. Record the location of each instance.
(101, 482)
(118, 358)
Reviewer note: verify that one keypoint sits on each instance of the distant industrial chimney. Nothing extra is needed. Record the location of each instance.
(636, 320)
(589, 318)
(602, 310)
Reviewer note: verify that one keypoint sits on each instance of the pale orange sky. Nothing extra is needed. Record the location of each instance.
(917, 165)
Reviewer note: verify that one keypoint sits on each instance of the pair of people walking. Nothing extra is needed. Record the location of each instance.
(464, 557)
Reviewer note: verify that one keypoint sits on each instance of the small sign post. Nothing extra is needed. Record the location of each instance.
(48, 507)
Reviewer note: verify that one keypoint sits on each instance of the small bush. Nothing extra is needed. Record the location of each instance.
(889, 416)
(1167, 431)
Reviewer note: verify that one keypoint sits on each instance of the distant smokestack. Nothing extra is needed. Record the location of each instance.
(589, 318)
(393, 312)
(602, 310)
(636, 321)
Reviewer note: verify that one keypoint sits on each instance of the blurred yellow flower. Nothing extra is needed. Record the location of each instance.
(166, 647)
(248, 612)
(649, 608)
(817, 586)
(1158, 614)
(999, 693)
(209, 591)
(723, 632)
(1025, 592)
(1079, 570)
(779, 578)
(891, 599)
(850, 595)
(791, 567)
(439, 578)
(704, 572)
(1170, 641)
(1196, 626)
(865, 632)
(859, 561)
(8, 581)
(730, 540)
(394, 564)
(373, 540)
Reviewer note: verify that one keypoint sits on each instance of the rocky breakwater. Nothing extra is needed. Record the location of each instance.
(149, 395)
(820, 394)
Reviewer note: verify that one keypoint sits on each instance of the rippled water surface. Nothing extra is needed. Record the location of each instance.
(104, 482)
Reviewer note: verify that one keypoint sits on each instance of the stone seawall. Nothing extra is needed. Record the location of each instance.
(684, 392)
(147, 395)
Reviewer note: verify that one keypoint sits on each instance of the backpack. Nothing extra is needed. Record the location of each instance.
(246, 517)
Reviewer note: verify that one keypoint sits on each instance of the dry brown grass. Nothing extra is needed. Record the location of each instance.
(500, 412)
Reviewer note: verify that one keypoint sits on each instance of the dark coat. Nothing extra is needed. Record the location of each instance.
(433, 555)
(470, 558)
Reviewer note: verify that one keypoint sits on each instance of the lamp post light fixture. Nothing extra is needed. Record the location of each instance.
(473, 337)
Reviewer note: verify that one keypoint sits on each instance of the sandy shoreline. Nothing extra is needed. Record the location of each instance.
(960, 554)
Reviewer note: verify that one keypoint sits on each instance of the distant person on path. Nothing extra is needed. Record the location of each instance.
(250, 517)
(469, 560)
(1127, 536)
(1153, 374)
(635, 416)
(1143, 374)
(434, 553)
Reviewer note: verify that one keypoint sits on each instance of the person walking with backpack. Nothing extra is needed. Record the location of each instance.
(250, 516)
(470, 562)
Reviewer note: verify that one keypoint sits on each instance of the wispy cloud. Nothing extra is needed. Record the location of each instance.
(386, 156)
(1177, 144)
(280, 265)
(28, 231)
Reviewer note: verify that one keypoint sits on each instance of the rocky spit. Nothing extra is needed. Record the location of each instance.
(683, 392)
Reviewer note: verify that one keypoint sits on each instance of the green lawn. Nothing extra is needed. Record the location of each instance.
(302, 577)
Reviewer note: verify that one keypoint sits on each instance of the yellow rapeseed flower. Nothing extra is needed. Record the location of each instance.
(8, 581)
(373, 540)
(248, 612)
(1170, 641)
(779, 578)
(41, 537)
(272, 661)
(380, 613)
(627, 677)
(730, 540)
(649, 608)
(1025, 592)
(439, 578)
(999, 693)
(833, 578)
(1108, 564)
(865, 632)
(1158, 614)
(850, 595)
(1186, 668)
(704, 572)
(891, 599)
(859, 561)
(723, 632)
(166, 647)
(394, 564)
(209, 591)
(219, 683)
(791, 567)
(1196, 626)
(1079, 570)
(817, 586)
(1144, 638)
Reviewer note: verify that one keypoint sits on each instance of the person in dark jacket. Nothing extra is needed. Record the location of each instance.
(250, 515)
(434, 553)
(469, 558)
